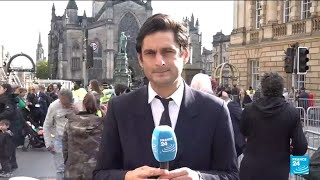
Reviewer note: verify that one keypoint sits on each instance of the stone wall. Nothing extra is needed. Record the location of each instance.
(271, 58)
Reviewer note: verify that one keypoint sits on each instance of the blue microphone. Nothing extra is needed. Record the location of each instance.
(164, 145)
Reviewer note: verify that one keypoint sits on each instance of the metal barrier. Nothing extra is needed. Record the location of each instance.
(302, 113)
(313, 139)
(312, 119)
(304, 102)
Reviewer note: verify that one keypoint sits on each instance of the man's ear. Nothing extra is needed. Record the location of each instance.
(185, 55)
(140, 59)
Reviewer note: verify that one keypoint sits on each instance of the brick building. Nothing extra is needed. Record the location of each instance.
(263, 30)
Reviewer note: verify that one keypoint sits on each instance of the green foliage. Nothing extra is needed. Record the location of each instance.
(42, 69)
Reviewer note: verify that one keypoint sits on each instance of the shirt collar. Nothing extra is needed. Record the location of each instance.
(176, 96)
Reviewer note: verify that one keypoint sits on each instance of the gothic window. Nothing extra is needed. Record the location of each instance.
(286, 10)
(258, 13)
(305, 9)
(75, 63)
(129, 25)
(255, 78)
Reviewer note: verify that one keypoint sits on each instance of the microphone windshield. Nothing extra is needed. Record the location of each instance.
(164, 143)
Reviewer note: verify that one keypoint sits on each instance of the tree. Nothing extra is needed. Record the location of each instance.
(42, 69)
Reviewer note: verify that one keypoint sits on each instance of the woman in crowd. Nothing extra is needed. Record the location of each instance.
(8, 110)
(81, 141)
(22, 113)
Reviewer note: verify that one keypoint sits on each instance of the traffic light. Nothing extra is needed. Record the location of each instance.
(289, 60)
(89, 62)
(303, 60)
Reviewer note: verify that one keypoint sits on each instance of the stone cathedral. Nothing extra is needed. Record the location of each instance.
(109, 19)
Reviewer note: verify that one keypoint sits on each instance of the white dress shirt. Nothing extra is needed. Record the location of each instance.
(174, 106)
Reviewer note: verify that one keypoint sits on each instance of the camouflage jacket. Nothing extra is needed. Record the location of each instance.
(81, 142)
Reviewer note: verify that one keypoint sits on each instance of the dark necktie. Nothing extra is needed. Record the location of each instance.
(165, 118)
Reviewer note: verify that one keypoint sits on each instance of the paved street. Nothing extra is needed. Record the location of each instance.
(36, 163)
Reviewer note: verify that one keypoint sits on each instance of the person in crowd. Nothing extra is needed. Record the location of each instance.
(80, 158)
(120, 89)
(54, 93)
(202, 83)
(8, 111)
(235, 114)
(125, 153)
(94, 86)
(21, 114)
(246, 99)
(269, 124)
(78, 96)
(235, 93)
(7, 147)
(54, 124)
(303, 99)
(38, 105)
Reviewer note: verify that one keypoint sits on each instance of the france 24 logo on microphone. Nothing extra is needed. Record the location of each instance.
(299, 164)
(164, 144)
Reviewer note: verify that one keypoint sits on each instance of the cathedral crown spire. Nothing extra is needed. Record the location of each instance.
(53, 7)
(84, 14)
(39, 41)
(72, 5)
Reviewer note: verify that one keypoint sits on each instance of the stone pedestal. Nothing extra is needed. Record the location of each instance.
(189, 70)
(121, 74)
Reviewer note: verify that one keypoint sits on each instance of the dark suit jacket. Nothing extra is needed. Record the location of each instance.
(235, 114)
(204, 134)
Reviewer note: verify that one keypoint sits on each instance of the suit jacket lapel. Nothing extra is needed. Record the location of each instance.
(145, 125)
(186, 121)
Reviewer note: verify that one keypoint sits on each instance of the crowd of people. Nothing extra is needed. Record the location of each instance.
(106, 133)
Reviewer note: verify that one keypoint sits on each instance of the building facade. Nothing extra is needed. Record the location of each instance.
(220, 44)
(110, 18)
(207, 59)
(263, 30)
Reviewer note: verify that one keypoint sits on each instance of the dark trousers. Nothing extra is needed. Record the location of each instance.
(6, 164)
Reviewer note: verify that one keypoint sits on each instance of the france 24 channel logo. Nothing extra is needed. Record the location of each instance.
(299, 164)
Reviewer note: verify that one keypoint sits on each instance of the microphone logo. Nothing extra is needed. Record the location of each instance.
(164, 144)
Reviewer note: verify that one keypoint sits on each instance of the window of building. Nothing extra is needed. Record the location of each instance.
(286, 11)
(255, 78)
(75, 63)
(305, 9)
(258, 13)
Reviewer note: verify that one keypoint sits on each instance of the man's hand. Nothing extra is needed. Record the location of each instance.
(51, 149)
(181, 174)
(145, 172)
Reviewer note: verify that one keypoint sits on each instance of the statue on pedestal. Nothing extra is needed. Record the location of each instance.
(123, 43)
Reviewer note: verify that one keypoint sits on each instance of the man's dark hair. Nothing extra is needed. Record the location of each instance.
(120, 88)
(272, 84)
(163, 22)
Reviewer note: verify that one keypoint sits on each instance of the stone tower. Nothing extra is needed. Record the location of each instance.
(40, 51)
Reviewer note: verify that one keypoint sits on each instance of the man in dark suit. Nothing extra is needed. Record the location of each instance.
(235, 115)
(38, 103)
(201, 121)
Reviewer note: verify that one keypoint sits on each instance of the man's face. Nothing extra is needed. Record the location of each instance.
(161, 58)
(55, 88)
(65, 102)
(2, 90)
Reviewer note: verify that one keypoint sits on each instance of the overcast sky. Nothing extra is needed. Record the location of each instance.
(21, 21)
